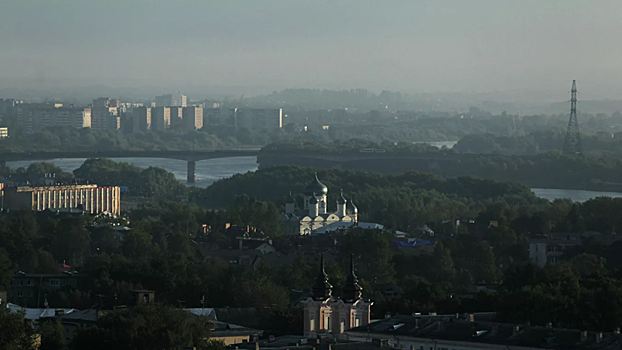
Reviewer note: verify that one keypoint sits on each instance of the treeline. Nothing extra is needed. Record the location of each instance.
(152, 182)
(544, 170)
(599, 144)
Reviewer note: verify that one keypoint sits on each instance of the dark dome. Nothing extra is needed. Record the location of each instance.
(351, 208)
(316, 187)
(341, 199)
(291, 198)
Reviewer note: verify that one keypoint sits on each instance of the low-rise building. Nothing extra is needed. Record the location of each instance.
(30, 289)
(91, 198)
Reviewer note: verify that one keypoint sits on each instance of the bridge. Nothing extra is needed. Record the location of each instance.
(189, 156)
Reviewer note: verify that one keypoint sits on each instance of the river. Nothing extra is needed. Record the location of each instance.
(208, 171)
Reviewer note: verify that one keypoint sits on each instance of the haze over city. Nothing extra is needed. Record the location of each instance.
(531, 47)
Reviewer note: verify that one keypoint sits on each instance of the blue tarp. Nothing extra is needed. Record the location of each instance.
(412, 244)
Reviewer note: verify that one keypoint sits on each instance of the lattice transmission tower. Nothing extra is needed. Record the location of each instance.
(572, 145)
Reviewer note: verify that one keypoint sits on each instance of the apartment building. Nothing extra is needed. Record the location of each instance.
(35, 117)
(192, 118)
(171, 100)
(30, 289)
(176, 115)
(141, 118)
(91, 198)
(219, 116)
(160, 118)
(259, 118)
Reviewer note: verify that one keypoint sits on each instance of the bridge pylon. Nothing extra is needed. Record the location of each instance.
(191, 172)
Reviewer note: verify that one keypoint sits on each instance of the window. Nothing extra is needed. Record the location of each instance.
(54, 282)
(20, 283)
(29, 282)
(20, 293)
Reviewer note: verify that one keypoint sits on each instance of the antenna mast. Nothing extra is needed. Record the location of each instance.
(572, 145)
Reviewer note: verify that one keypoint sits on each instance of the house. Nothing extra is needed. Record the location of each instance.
(71, 321)
(226, 331)
(477, 331)
(231, 334)
(547, 249)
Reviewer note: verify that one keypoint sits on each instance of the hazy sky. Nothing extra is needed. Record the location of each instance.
(407, 45)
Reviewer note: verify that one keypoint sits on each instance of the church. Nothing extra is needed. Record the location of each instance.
(324, 313)
(314, 213)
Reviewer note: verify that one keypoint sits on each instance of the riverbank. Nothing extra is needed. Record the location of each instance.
(209, 171)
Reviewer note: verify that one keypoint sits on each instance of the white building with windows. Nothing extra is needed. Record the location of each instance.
(546, 250)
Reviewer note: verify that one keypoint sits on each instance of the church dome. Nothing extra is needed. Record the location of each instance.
(341, 199)
(316, 187)
(352, 209)
(291, 198)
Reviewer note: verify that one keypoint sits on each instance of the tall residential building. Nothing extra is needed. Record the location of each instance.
(171, 100)
(176, 115)
(160, 118)
(259, 118)
(219, 116)
(7, 105)
(105, 118)
(192, 118)
(91, 198)
(33, 118)
(141, 119)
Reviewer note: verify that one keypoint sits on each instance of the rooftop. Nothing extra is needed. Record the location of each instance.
(480, 329)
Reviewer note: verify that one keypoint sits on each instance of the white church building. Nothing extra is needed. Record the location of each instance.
(314, 214)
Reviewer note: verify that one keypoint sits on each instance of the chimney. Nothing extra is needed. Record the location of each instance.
(416, 323)
(256, 346)
(549, 325)
(432, 313)
(59, 312)
(583, 335)
(412, 347)
(599, 337)
(515, 330)
(471, 317)
(617, 330)
(387, 315)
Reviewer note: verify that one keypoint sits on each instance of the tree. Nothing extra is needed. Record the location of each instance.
(15, 332)
(52, 336)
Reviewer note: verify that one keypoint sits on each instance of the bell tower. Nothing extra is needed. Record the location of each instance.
(317, 309)
(324, 313)
(350, 310)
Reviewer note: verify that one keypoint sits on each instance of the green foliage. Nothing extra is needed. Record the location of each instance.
(144, 327)
(15, 332)
(150, 182)
(52, 336)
